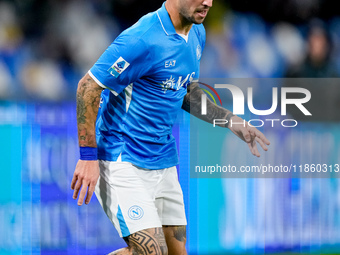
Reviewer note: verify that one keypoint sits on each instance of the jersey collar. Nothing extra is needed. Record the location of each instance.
(165, 21)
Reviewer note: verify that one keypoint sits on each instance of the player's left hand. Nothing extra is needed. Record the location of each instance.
(251, 135)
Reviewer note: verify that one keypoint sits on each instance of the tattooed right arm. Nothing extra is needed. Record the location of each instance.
(88, 98)
(86, 173)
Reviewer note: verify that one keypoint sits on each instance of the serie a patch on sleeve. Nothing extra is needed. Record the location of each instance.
(118, 67)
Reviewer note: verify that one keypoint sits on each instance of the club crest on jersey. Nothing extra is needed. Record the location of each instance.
(199, 52)
(118, 67)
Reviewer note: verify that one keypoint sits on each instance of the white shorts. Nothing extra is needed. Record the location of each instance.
(136, 198)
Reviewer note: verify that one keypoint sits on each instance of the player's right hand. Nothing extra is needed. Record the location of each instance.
(85, 176)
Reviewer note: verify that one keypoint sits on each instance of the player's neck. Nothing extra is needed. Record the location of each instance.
(182, 26)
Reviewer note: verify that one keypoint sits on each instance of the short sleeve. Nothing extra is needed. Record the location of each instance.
(123, 62)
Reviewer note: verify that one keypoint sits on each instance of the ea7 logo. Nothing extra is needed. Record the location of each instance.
(170, 63)
(238, 100)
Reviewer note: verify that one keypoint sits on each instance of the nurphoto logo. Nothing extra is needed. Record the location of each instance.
(239, 104)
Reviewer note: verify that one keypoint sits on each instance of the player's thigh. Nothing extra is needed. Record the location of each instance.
(148, 241)
(175, 237)
(169, 200)
(125, 199)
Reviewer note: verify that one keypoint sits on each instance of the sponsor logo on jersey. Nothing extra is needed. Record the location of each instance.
(118, 67)
(168, 84)
(170, 63)
(171, 83)
(135, 212)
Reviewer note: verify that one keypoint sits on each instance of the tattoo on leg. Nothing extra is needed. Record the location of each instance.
(145, 242)
(180, 233)
(159, 235)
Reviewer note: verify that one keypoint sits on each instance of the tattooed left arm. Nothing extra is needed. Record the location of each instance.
(192, 104)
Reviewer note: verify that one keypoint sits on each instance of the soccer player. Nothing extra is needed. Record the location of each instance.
(127, 152)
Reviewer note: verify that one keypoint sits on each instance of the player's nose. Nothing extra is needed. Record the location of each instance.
(207, 3)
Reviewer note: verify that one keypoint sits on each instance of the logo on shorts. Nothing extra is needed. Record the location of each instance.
(135, 212)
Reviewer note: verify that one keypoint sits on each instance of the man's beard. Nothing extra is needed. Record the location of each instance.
(191, 19)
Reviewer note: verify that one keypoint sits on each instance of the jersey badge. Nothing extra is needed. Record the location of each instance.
(118, 67)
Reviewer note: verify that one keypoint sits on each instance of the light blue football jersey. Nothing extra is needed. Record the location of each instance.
(147, 70)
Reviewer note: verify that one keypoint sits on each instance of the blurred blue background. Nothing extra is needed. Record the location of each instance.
(47, 46)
